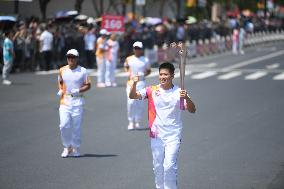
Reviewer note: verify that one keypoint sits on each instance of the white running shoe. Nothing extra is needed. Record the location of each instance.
(6, 82)
(108, 84)
(101, 85)
(114, 84)
(130, 126)
(65, 152)
(137, 125)
(76, 152)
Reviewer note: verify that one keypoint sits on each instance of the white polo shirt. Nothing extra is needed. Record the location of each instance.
(72, 79)
(89, 40)
(137, 64)
(46, 39)
(164, 107)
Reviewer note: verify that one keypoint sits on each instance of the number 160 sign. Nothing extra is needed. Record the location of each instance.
(113, 23)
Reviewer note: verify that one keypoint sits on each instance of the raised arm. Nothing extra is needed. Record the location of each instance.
(190, 106)
(133, 94)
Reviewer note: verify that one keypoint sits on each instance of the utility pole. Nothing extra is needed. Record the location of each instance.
(180, 9)
(265, 9)
(134, 7)
(102, 7)
(144, 10)
(16, 7)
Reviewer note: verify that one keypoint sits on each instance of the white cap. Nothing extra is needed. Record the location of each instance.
(138, 44)
(73, 52)
(103, 32)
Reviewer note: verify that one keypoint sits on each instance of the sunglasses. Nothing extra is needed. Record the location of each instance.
(71, 57)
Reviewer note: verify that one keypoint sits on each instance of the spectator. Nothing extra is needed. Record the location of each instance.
(8, 57)
(58, 48)
(90, 44)
(30, 48)
(112, 60)
(19, 43)
(101, 55)
(241, 40)
(46, 39)
(235, 41)
(180, 34)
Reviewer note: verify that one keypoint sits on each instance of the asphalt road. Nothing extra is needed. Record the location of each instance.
(234, 141)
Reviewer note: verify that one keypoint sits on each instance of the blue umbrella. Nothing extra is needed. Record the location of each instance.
(7, 18)
(7, 22)
(61, 14)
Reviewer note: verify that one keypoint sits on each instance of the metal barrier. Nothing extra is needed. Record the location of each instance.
(212, 46)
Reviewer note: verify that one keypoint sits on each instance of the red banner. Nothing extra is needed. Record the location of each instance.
(113, 23)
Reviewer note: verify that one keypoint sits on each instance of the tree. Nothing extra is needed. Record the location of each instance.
(99, 11)
(78, 5)
(42, 6)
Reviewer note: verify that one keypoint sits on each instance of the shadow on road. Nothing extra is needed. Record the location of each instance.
(21, 83)
(278, 181)
(142, 129)
(98, 155)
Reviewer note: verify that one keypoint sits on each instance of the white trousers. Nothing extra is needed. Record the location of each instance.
(235, 47)
(110, 70)
(70, 125)
(165, 162)
(135, 108)
(6, 69)
(101, 69)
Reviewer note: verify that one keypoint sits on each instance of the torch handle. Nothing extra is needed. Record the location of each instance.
(182, 75)
(181, 103)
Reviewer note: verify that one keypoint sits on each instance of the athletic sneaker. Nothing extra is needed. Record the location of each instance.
(6, 82)
(76, 152)
(130, 126)
(65, 153)
(137, 125)
(108, 84)
(101, 85)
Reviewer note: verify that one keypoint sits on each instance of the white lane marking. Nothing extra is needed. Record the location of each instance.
(209, 65)
(47, 72)
(93, 74)
(230, 75)
(255, 75)
(266, 49)
(279, 77)
(254, 60)
(154, 73)
(177, 74)
(272, 66)
(204, 75)
(122, 74)
(212, 64)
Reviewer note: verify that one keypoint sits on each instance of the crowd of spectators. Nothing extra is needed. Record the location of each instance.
(68, 34)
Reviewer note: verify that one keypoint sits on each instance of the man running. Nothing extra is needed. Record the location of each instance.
(136, 64)
(73, 80)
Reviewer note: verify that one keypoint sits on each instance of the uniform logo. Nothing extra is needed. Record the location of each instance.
(157, 93)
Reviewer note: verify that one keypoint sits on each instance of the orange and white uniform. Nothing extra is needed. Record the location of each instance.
(165, 124)
(136, 65)
(101, 57)
(71, 107)
(112, 61)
